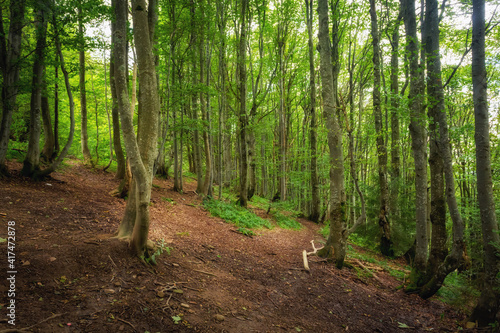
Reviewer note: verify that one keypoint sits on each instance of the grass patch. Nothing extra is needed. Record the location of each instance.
(399, 272)
(239, 216)
(458, 292)
(286, 222)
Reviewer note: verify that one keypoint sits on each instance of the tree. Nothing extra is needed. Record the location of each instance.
(335, 245)
(120, 159)
(242, 104)
(87, 158)
(143, 150)
(486, 310)
(31, 163)
(436, 100)
(10, 54)
(417, 132)
(315, 200)
(383, 221)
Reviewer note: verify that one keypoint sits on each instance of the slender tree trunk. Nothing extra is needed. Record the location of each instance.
(439, 249)
(31, 164)
(56, 106)
(315, 199)
(417, 132)
(486, 311)
(242, 87)
(10, 66)
(110, 130)
(115, 115)
(383, 221)
(335, 245)
(436, 95)
(395, 132)
(87, 158)
(48, 146)
(39, 174)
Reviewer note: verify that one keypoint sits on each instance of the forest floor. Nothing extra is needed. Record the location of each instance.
(73, 276)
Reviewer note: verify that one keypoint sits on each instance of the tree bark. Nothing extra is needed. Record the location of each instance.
(315, 199)
(242, 90)
(489, 302)
(87, 158)
(335, 245)
(383, 221)
(417, 132)
(31, 164)
(115, 115)
(10, 66)
(436, 95)
(143, 150)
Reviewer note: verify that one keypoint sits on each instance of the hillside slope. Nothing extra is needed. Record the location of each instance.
(72, 276)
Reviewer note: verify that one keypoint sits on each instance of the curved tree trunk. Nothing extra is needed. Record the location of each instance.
(142, 150)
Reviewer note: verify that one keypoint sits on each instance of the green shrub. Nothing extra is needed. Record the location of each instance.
(240, 216)
(286, 222)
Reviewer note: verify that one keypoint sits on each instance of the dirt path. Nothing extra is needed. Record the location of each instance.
(73, 277)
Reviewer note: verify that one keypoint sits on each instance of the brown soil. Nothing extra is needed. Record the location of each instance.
(72, 276)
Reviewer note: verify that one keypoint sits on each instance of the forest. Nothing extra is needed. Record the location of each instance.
(373, 123)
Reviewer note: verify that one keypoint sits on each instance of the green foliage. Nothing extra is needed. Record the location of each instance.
(241, 217)
(286, 222)
(246, 232)
(458, 291)
(161, 246)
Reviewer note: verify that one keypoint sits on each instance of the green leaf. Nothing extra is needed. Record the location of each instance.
(176, 319)
(402, 325)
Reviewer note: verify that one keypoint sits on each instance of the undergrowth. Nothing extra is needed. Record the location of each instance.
(286, 222)
(240, 216)
(458, 292)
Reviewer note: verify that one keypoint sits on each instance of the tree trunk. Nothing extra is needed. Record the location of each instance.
(488, 304)
(335, 245)
(87, 158)
(143, 150)
(56, 106)
(242, 87)
(395, 132)
(115, 115)
(436, 95)
(417, 132)
(31, 164)
(49, 144)
(10, 66)
(383, 221)
(439, 249)
(315, 199)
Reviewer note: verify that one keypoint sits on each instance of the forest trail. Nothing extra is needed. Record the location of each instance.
(73, 277)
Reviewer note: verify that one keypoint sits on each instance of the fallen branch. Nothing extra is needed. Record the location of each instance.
(371, 273)
(126, 322)
(305, 254)
(208, 273)
(10, 330)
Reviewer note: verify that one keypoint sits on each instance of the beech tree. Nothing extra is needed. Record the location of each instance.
(486, 310)
(10, 54)
(142, 150)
